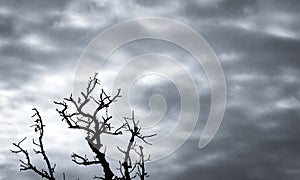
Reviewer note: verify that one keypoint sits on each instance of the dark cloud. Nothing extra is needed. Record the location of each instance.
(151, 4)
(196, 10)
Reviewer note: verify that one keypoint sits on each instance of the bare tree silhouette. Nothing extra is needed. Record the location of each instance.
(94, 124)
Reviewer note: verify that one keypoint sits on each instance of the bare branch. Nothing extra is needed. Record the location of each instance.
(27, 164)
(77, 113)
(83, 160)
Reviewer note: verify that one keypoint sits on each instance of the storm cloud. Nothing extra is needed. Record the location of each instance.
(257, 43)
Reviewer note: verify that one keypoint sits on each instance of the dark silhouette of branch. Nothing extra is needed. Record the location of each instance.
(141, 164)
(135, 131)
(27, 164)
(91, 123)
(95, 123)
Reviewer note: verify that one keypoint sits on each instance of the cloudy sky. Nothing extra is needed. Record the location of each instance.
(257, 43)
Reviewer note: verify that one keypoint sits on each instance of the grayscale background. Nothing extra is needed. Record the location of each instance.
(257, 43)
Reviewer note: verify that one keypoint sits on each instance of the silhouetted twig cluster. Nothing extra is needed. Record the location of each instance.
(39, 150)
(94, 124)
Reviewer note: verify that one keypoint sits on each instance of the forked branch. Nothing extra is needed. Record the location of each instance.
(27, 164)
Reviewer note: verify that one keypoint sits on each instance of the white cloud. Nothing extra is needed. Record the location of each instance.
(289, 103)
(37, 42)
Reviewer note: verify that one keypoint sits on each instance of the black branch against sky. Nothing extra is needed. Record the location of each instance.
(94, 124)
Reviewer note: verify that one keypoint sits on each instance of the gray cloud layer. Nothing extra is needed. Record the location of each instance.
(257, 43)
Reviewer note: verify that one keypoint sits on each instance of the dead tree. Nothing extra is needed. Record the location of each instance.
(39, 150)
(95, 124)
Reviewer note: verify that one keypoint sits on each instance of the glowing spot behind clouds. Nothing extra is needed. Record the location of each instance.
(290, 103)
(38, 43)
(281, 32)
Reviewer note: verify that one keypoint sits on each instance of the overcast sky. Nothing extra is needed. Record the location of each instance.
(257, 43)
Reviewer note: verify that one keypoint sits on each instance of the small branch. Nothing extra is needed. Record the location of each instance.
(141, 164)
(27, 164)
(135, 130)
(83, 160)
